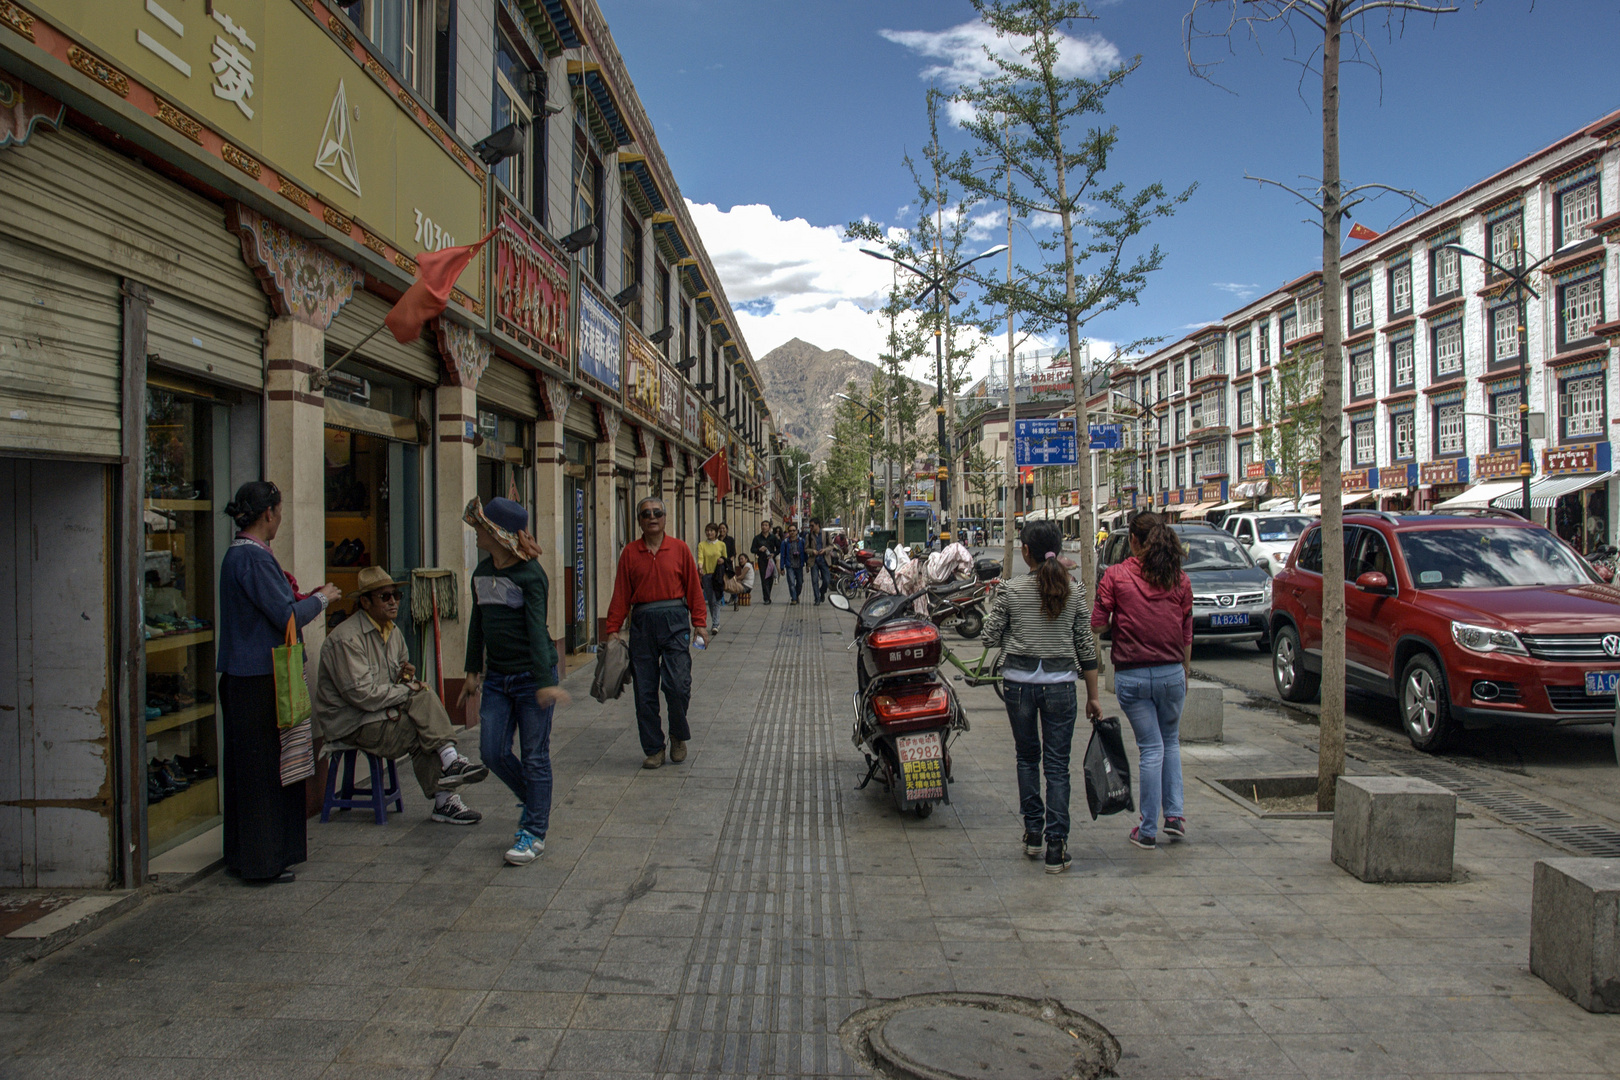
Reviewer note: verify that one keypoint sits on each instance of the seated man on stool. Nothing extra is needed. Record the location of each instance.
(368, 696)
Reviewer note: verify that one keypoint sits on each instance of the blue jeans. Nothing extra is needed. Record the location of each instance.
(820, 579)
(711, 600)
(795, 580)
(1151, 698)
(1042, 718)
(508, 709)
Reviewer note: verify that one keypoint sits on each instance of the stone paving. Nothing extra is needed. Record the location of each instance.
(719, 918)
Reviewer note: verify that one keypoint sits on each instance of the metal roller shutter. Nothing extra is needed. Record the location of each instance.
(580, 419)
(60, 355)
(188, 338)
(418, 361)
(505, 387)
(625, 448)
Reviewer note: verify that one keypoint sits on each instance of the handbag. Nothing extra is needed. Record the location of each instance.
(292, 692)
(1108, 770)
(733, 587)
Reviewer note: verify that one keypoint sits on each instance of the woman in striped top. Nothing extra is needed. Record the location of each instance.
(1043, 623)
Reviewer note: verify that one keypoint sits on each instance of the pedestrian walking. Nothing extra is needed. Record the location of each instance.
(1145, 603)
(263, 828)
(819, 550)
(724, 535)
(793, 558)
(1042, 622)
(764, 550)
(711, 554)
(512, 663)
(657, 607)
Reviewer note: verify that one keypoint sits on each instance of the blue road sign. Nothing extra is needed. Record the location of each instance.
(1046, 442)
(1106, 436)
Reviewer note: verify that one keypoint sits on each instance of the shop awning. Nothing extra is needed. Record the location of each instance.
(1239, 505)
(1067, 512)
(1545, 492)
(1196, 509)
(1310, 500)
(1353, 497)
(1392, 493)
(1480, 495)
(1035, 515)
(1277, 504)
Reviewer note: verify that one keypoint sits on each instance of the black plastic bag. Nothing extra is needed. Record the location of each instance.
(1108, 771)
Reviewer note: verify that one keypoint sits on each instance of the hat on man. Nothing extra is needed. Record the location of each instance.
(502, 517)
(372, 578)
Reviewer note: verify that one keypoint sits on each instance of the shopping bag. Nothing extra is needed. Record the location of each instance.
(769, 568)
(292, 692)
(733, 587)
(1108, 771)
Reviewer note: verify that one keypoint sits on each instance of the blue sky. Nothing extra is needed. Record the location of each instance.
(782, 121)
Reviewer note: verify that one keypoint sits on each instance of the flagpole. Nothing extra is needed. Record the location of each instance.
(321, 378)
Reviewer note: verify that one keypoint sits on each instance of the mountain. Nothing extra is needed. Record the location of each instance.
(800, 381)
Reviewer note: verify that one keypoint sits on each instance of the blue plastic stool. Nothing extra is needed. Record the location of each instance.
(378, 797)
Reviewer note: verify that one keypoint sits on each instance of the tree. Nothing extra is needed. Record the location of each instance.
(1332, 19)
(1294, 439)
(982, 479)
(841, 480)
(1029, 116)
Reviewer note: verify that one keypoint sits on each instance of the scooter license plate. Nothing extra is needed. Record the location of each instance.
(1229, 620)
(922, 765)
(1602, 682)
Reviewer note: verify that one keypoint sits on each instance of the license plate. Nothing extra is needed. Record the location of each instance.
(922, 765)
(1229, 620)
(1602, 682)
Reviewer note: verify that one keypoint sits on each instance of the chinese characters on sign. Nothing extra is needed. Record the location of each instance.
(712, 438)
(1452, 471)
(669, 399)
(601, 341)
(233, 71)
(692, 420)
(1046, 442)
(1582, 458)
(641, 375)
(1501, 463)
(531, 285)
(579, 554)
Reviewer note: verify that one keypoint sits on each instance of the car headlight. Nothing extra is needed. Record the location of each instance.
(1483, 639)
(1267, 590)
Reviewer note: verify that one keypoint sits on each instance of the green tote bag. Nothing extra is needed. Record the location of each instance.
(292, 692)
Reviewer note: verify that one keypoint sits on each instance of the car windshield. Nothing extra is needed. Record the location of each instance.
(1213, 551)
(1278, 529)
(1484, 557)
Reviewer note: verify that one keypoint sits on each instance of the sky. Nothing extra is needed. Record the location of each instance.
(783, 120)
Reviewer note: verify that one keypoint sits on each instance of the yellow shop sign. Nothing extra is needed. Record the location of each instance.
(285, 92)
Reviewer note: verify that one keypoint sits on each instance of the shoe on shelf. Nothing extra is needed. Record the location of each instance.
(1057, 856)
(1034, 844)
(1146, 842)
(462, 771)
(677, 750)
(653, 760)
(456, 812)
(526, 847)
(1175, 828)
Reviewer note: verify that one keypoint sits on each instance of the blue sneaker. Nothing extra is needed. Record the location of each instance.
(526, 847)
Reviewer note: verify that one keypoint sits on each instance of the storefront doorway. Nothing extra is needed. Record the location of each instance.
(505, 468)
(1581, 518)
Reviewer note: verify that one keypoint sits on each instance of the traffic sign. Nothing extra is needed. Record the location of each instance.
(1046, 442)
(1107, 436)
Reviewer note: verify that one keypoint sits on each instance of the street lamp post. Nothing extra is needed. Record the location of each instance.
(1519, 276)
(935, 284)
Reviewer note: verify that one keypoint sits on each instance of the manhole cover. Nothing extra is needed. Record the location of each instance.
(978, 1037)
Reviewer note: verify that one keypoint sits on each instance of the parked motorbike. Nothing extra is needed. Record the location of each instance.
(963, 603)
(905, 713)
(1605, 560)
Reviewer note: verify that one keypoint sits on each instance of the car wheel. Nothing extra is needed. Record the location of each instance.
(1425, 705)
(1294, 683)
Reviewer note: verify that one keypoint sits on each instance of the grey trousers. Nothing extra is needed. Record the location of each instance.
(418, 730)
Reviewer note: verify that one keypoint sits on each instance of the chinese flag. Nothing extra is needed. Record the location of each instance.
(1358, 231)
(436, 272)
(717, 471)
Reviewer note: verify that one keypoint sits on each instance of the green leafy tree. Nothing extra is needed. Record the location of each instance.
(1038, 122)
(1294, 438)
(983, 479)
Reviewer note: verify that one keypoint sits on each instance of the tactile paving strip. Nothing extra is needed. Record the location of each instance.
(773, 970)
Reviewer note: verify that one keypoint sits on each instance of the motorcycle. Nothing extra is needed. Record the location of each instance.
(905, 713)
(1605, 560)
(962, 603)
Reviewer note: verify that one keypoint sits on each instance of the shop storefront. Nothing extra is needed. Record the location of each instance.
(1575, 493)
(1441, 480)
(508, 404)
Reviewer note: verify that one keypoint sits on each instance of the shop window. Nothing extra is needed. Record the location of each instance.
(1580, 407)
(1449, 439)
(185, 536)
(1400, 290)
(1581, 308)
(1404, 435)
(1578, 207)
(505, 468)
(1445, 274)
(1403, 370)
(1505, 425)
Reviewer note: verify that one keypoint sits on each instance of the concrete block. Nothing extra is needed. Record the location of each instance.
(1575, 930)
(1204, 714)
(1394, 828)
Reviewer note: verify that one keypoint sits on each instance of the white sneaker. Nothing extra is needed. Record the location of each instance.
(526, 847)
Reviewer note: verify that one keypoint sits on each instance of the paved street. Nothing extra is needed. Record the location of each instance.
(721, 917)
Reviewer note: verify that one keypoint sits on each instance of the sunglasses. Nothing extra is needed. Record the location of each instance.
(388, 596)
(651, 514)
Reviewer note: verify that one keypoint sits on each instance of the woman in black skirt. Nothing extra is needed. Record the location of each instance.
(264, 821)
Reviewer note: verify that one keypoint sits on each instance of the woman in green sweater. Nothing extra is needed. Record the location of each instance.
(511, 658)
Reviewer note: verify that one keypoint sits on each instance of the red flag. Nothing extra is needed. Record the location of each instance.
(436, 272)
(717, 471)
(1358, 231)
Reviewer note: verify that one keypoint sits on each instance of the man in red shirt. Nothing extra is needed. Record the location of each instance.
(657, 600)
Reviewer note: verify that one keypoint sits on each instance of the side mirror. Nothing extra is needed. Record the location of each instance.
(838, 600)
(1374, 582)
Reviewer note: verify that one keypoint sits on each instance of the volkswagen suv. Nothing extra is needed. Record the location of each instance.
(1467, 620)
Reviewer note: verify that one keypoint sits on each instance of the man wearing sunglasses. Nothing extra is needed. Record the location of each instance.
(657, 607)
(369, 697)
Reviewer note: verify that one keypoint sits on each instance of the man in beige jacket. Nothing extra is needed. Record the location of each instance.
(368, 696)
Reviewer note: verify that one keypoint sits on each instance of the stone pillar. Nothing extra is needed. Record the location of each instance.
(642, 485)
(607, 550)
(295, 440)
(456, 412)
(551, 501)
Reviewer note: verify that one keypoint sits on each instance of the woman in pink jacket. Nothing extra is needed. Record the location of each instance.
(1145, 603)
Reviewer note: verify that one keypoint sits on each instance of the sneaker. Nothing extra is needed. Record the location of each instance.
(1141, 841)
(1175, 827)
(1033, 844)
(677, 750)
(456, 812)
(653, 760)
(462, 771)
(1057, 856)
(526, 847)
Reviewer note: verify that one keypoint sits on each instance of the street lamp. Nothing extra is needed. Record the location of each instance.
(798, 482)
(1520, 279)
(936, 285)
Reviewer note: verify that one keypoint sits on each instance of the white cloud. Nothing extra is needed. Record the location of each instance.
(1237, 289)
(961, 53)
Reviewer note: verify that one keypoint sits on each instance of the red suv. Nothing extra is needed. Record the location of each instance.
(1466, 620)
